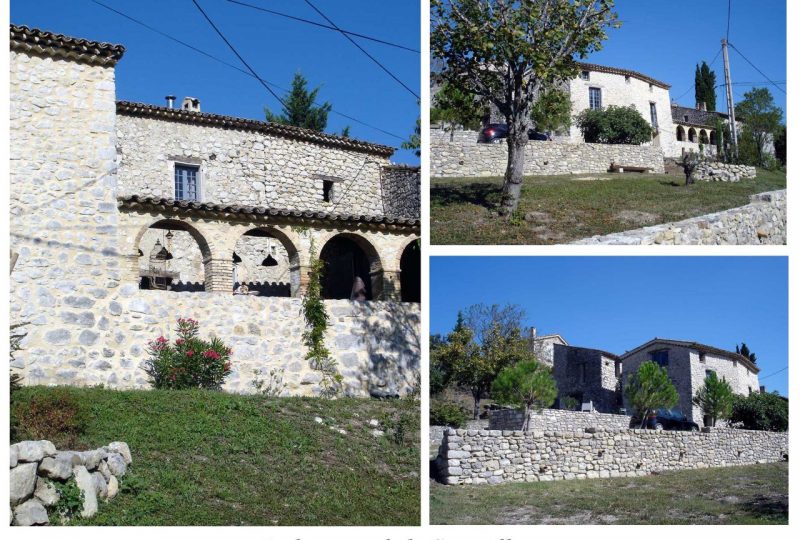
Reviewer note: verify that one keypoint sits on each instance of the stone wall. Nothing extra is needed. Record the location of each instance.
(493, 457)
(556, 420)
(37, 469)
(465, 157)
(401, 188)
(377, 344)
(712, 171)
(763, 221)
(587, 375)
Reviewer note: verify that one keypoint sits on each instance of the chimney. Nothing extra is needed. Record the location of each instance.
(170, 101)
(191, 104)
(533, 333)
(701, 106)
(762, 389)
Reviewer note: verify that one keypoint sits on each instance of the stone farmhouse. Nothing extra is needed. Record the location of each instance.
(595, 378)
(126, 216)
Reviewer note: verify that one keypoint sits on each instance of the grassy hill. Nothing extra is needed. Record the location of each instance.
(211, 458)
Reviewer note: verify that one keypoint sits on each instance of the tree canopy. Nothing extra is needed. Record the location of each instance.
(527, 384)
(454, 107)
(648, 389)
(761, 122)
(705, 86)
(552, 110)
(300, 107)
(767, 412)
(715, 398)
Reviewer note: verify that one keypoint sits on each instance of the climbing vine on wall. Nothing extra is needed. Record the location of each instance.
(316, 317)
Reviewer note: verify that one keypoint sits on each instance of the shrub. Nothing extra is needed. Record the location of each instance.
(650, 388)
(273, 386)
(715, 398)
(70, 499)
(527, 385)
(614, 125)
(569, 403)
(765, 412)
(447, 413)
(56, 415)
(188, 363)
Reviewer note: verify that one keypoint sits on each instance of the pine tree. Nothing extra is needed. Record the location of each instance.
(300, 109)
(705, 82)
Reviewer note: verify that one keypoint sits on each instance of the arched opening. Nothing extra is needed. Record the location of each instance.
(713, 137)
(703, 137)
(410, 283)
(692, 135)
(347, 257)
(680, 133)
(172, 257)
(265, 263)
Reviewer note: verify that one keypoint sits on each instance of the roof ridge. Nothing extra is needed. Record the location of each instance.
(43, 41)
(624, 71)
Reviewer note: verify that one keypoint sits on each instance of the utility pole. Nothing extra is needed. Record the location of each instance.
(729, 96)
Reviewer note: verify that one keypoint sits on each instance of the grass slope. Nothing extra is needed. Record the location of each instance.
(755, 494)
(211, 458)
(572, 207)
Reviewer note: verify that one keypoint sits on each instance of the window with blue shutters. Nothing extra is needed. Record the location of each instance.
(595, 99)
(186, 183)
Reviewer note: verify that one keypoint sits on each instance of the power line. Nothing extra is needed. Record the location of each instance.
(307, 21)
(771, 374)
(709, 66)
(728, 33)
(360, 48)
(755, 68)
(239, 56)
(237, 68)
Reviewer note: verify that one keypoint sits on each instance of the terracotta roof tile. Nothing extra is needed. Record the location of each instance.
(627, 72)
(44, 42)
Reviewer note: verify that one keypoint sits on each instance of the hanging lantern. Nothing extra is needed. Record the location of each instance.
(236, 258)
(161, 254)
(170, 236)
(269, 261)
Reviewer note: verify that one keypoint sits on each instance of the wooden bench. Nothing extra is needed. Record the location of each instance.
(624, 168)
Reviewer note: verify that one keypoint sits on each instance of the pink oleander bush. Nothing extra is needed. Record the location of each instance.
(190, 362)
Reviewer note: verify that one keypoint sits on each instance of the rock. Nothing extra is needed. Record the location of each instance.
(57, 468)
(22, 482)
(377, 433)
(122, 449)
(46, 492)
(113, 487)
(104, 470)
(116, 464)
(374, 423)
(74, 458)
(86, 484)
(100, 484)
(92, 458)
(31, 451)
(14, 454)
(30, 513)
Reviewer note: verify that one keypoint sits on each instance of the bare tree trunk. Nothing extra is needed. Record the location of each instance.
(476, 409)
(526, 422)
(512, 183)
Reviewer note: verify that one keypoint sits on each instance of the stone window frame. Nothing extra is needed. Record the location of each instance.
(186, 161)
(329, 188)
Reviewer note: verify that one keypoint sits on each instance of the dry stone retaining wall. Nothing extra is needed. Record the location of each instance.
(763, 221)
(493, 457)
(37, 468)
(711, 171)
(556, 420)
(465, 157)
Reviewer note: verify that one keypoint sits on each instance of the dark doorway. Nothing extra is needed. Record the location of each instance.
(344, 260)
(410, 273)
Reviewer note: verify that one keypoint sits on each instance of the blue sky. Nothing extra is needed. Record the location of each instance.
(618, 303)
(276, 48)
(666, 39)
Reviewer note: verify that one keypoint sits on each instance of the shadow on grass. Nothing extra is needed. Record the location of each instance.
(480, 194)
(767, 508)
(672, 183)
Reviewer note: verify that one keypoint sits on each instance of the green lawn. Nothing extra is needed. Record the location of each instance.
(211, 458)
(561, 209)
(755, 494)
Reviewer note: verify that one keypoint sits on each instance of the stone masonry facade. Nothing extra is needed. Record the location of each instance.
(589, 376)
(465, 157)
(494, 457)
(92, 188)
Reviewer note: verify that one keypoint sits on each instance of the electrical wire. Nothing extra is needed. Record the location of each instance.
(754, 67)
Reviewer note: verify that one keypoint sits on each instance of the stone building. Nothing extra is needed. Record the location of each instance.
(542, 346)
(688, 364)
(590, 376)
(128, 215)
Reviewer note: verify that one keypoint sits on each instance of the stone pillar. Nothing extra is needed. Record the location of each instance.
(218, 275)
(389, 285)
(299, 288)
(130, 269)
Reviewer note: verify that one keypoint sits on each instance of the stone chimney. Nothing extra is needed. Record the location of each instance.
(701, 106)
(191, 104)
(170, 101)
(533, 333)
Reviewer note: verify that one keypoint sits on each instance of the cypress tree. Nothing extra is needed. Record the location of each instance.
(705, 82)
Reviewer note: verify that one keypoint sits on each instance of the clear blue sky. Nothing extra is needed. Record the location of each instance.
(667, 38)
(618, 303)
(276, 48)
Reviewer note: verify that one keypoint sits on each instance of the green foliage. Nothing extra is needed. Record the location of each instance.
(765, 412)
(527, 384)
(744, 350)
(70, 501)
(316, 318)
(300, 109)
(438, 371)
(551, 112)
(761, 122)
(569, 403)
(454, 107)
(399, 425)
(55, 416)
(506, 52)
(715, 398)
(649, 389)
(447, 413)
(705, 86)
(614, 125)
(14, 338)
(190, 362)
(413, 142)
(345, 132)
(272, 386)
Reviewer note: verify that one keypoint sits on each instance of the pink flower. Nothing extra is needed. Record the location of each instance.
(179, 341)
(212, 354)
(189, 353)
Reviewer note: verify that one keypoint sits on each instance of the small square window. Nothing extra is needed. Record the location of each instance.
(186, 183)
(651, 87)
(585, 75)
(327, 190)
(660, 357)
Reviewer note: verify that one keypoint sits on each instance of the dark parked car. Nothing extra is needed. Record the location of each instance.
(495, 133)
(671, 420)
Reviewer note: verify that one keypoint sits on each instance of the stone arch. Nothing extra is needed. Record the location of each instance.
(713, 137)
(692, 135)
(410, 261)
(680, 133)
(703, 136)
(249, 256)
(188, 271)
(347, 256)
